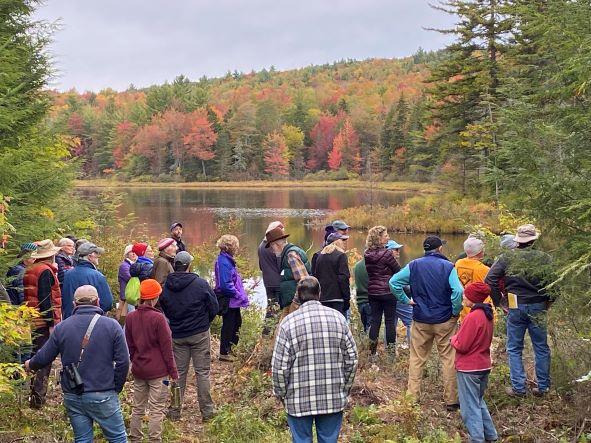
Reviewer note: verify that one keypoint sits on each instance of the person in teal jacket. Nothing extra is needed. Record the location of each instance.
(436, 293)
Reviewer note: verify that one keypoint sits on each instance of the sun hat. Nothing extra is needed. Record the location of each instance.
(88, 248)
(150, 289)
(165, 243)
(273, 225)
(473, 246)
(184, 258)
(139, 249)
(432, 242)
(45, 249)
(340, 224)
(393, 244)
(477, 292)
(526, 233)
(334, 237)
(274, 235)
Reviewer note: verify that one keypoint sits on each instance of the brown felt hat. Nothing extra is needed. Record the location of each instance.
(45, 249)
(274, 235)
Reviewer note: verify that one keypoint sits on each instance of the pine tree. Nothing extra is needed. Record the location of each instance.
(465, 85)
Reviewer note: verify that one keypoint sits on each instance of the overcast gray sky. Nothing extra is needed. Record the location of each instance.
(118, 42)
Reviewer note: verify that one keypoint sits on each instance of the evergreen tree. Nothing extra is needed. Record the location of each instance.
(465, 85)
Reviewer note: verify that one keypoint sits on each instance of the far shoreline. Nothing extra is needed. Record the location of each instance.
(402, 186)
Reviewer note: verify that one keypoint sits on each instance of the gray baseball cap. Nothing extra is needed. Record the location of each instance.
(184, 258)
(88, 248)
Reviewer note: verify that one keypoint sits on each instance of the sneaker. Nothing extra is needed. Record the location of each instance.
(512, 393)
(453, 407)
(539, 392)
(226, 357)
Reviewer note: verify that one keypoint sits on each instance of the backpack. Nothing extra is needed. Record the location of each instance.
(132, 291)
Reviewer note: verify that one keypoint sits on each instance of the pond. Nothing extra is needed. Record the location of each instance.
(199, 209)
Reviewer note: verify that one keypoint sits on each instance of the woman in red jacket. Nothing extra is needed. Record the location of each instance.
(473, 363)
(150, 349)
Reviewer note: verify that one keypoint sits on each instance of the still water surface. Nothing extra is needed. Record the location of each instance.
(199, 209)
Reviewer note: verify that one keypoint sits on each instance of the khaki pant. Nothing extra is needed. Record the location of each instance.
(284, 313)
(422, 336)
(154, 394)
(195, 348)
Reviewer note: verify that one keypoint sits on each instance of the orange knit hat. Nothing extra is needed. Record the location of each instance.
(150, 289)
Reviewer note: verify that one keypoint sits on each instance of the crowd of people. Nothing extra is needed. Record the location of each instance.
(161, 320)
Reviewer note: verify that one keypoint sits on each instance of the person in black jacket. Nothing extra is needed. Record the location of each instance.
(190, 305)
(332, 271)
(381, 266)
(524, 272)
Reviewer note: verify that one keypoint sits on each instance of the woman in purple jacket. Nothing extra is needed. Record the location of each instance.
(228, 283)
(381, 266)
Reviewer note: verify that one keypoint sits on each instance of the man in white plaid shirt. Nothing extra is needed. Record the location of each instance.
(314, 365)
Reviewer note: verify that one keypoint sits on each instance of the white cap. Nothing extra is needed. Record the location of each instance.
(473, 246)
(127, 250)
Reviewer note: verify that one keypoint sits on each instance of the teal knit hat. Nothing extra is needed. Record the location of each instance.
(27, 248)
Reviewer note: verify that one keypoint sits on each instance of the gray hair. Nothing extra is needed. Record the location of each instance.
(308, 289)
(65, 241)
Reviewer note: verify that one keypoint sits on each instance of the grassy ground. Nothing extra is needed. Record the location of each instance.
(264, 184)
(378, 411)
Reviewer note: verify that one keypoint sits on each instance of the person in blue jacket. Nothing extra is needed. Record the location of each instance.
(437, 301)
(85, 273)
(102, 368)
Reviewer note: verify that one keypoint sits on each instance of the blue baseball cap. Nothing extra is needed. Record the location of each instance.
(392, 244)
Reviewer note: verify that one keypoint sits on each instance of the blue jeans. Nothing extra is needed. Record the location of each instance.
(328, 427)
(404, 313)
(477, 419)
(365, 314)
(533, 319)
(100, 407)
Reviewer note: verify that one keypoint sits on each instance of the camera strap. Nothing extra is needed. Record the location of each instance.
(86, 338)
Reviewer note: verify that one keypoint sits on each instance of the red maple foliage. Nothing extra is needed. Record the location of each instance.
(124, 133)
(322, 135)
(346, 149)
(276, 159)
(151, 142)
(75, 124)
(201, 137)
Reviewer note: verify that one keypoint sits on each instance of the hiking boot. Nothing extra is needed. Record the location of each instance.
(453, 407)
(538, 392)
(173, 414)
(36, 401)
(373, 347)
(512, 393)
(226, 357)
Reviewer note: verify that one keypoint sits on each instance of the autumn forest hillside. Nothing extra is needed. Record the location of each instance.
(331, 121)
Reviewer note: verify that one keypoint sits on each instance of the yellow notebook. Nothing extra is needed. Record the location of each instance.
(512, 300)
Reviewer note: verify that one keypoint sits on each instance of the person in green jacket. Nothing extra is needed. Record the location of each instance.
(361, 281)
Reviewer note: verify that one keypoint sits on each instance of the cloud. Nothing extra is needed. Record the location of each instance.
(115, 43)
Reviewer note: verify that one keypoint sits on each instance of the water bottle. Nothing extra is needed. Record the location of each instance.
(175, 395)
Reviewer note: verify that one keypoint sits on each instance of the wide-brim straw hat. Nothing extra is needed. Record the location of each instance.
(45, 249)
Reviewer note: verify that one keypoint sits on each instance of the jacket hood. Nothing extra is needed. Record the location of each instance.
(488, 311)
(87, 309)
(177, 281)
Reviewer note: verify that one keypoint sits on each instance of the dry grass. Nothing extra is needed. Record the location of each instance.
(264, 184)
